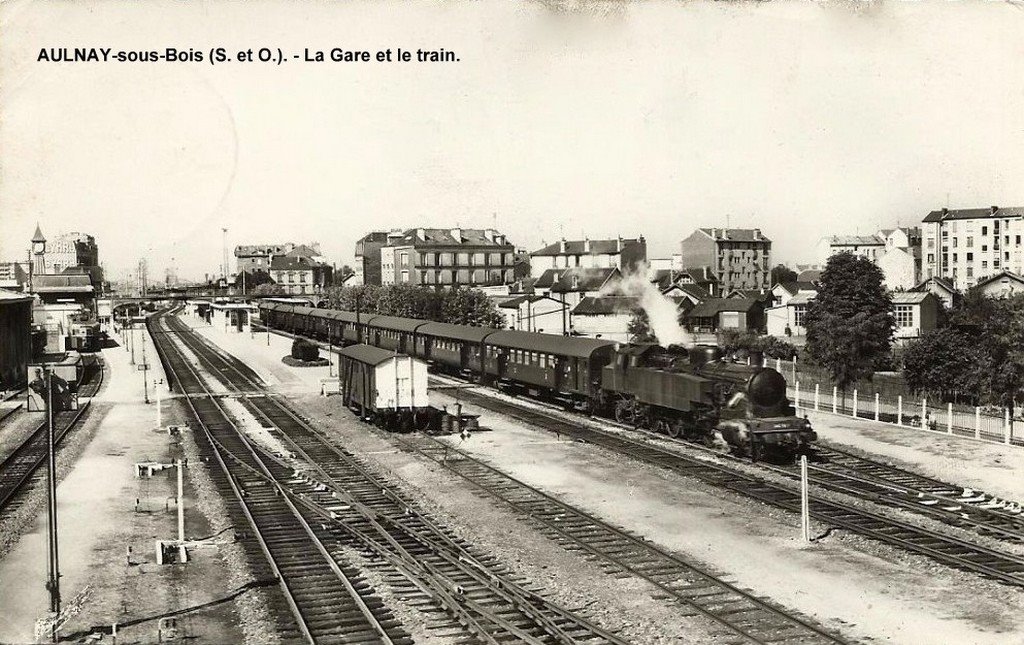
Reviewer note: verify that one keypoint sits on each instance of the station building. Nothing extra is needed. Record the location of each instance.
(15, 338)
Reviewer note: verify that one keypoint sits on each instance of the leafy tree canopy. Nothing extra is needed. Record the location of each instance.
(456, 306)
(849, 323)
(782, 273)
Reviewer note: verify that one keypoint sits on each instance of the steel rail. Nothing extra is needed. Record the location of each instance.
(18, 468)
(515, 596)
(915, 539)
(288, 586)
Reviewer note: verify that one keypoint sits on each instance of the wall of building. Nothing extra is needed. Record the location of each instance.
(966, 251)
(15, 342)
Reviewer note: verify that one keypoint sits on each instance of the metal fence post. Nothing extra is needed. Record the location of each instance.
(797, 404)
(949, 418)
(899, 410)
(816, 399)
(977, 422)
(834, 398)
(854, 403)
(1008, 429)
(778, 365)
(876, 406)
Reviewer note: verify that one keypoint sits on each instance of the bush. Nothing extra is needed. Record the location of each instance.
(304, 350)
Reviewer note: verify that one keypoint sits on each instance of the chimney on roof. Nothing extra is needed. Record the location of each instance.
(994, 209)
(561, 245)
(757, 233)
(457, 234)
(421, 234)
(945, 211)
(586, 245)
(618, 244)
(576, 281)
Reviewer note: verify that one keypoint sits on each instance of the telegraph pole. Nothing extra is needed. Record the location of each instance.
(145, 368)
(53, 577)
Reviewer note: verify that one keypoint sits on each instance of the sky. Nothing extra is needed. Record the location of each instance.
(805, 119)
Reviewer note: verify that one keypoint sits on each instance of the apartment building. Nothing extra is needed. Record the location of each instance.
(738, 258)
(456, 257)
(622, 254)
(896, 251)
(968, 245)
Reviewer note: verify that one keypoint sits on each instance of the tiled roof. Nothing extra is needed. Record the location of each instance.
(713, 306)
(939, 280)
(856, 240)
(999, 276)
(693, 290)
(69, 283)
(736, 234)
(578, 247)
(292, 263)
(547, 279)
(802, 298)
(973, 213)
(581, 279)
(606, 305)
(909, 297)
(8, 297)
(303, 251)
(444, 237)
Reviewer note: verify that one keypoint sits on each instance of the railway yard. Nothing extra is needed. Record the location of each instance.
(303, 523)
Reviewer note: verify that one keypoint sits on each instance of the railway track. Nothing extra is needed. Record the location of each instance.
(19, 468)
(736, 615)
(962, 554)
(328, 604)
(348, 507)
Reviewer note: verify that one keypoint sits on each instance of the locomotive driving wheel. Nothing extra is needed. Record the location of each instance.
(675, 430)
(625, 412)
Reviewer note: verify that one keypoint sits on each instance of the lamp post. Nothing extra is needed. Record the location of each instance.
(43, 385)
(145, 369)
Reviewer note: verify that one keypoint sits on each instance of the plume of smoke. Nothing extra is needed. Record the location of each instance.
(661, 310)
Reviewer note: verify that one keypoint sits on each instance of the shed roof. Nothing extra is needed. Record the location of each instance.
(63, 283)
(606, 305)
(547, 343)
(368, 354)
(11, 297)
(394, 323)
(1010, 275)
(457, 332)
(910, 297)
(713, 306)
(938, 280)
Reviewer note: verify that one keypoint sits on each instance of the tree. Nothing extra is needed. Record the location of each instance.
(948, 363)
(639, 328)
(458, 306)
(252, 279)
(269, 289)
(850, 322)
(782, 273)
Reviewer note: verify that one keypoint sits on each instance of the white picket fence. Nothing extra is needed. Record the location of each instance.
(918, 414)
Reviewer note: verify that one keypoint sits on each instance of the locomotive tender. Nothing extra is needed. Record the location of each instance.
(681, 393)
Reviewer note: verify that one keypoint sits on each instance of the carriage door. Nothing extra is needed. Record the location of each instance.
(502, 362)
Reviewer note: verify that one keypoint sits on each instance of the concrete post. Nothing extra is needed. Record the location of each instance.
(855, 403)
(182, 553)
(949, 418)
(876, 406)
(159, 415)
(835, 392)
(805, 509)
(778, 365)
(924, 413)
(1008, 429)
(816, 396)
(977, 422)
(899, 410)
(796, 404)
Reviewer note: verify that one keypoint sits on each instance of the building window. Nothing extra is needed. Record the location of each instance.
(931, 258)
(984, 248)
(954, 257)
(984, 264)
(478, 259)
(430, 259)
(931, 242)
(970, 242)
(495, 259)
(446, 259)
(463, 259)
(798, 314)
(970, 257)
(970, 272)
(955, 242)
(405, 276)
(984, 230)
(904, 316)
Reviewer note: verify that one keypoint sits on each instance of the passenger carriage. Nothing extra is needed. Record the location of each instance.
(567, 366)
(452, 348)
(392, 332)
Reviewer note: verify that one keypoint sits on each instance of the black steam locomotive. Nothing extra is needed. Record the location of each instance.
(692, 393)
